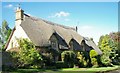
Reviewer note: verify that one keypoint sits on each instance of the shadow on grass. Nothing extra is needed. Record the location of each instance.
(65, 70)
(45, 71)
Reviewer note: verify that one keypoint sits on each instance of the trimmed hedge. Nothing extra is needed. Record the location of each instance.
(93, 55)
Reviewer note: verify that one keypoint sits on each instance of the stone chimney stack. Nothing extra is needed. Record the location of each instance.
(19, 16)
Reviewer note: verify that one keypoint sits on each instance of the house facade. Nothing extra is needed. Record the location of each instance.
(46, 34)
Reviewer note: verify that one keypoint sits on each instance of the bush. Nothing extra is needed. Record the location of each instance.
(61, 64)
(94, 62)
(27, 56)
(93, 55)
(68, 57)
(106, 60)
(48, 62)
(81, 59)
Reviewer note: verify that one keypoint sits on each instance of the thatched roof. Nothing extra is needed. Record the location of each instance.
(92, 44)
(40, 31)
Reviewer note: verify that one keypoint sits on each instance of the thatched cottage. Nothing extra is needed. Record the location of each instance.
(46, 34)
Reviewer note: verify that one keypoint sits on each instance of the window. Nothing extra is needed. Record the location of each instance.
(53, 44)
(71, 45)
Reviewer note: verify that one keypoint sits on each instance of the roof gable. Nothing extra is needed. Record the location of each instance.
(39, 32)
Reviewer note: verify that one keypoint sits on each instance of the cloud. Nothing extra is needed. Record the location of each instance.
(9, 6)
(60, 14)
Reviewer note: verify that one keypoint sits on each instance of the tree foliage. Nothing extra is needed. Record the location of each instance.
(93, 56)
(27, 54)
(115, 36)
(4, 33)
(109, 49)
(81, 60)
(106, 49)
(68, 57)
(93, 53)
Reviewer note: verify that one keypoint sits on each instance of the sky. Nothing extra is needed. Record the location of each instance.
(93, 19)
(60, 0)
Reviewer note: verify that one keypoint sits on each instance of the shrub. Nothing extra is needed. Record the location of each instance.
(68, 57)
(93, 55)
(27, 55)
(94, 62)
(106, 60)
(61, 64)
(81, 60)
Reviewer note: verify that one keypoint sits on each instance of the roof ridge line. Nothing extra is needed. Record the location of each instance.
(49, 22)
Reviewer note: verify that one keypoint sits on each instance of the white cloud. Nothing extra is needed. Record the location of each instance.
(9, 6)
(60, 14)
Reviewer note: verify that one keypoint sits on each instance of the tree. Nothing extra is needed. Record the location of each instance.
(114, 44)
(115, 36)
(28, 55)
(106, 44)
(100, 40)
(4, 33)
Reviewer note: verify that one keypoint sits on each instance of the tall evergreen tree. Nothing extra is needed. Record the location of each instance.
(4, 33)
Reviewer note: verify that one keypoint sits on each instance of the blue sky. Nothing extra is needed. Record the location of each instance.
(93, 19)
(60, 0)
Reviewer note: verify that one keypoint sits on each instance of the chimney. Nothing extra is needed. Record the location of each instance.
(19, 16)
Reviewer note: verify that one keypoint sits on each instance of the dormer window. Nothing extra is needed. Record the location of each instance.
(71, 45)
(54, 42)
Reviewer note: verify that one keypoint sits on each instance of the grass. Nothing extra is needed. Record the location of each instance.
(93, 69)
(67, 70)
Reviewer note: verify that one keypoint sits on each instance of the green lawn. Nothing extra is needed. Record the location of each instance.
(67, 70)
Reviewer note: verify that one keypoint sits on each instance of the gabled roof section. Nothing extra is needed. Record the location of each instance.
(39, 31)
(93, 45)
